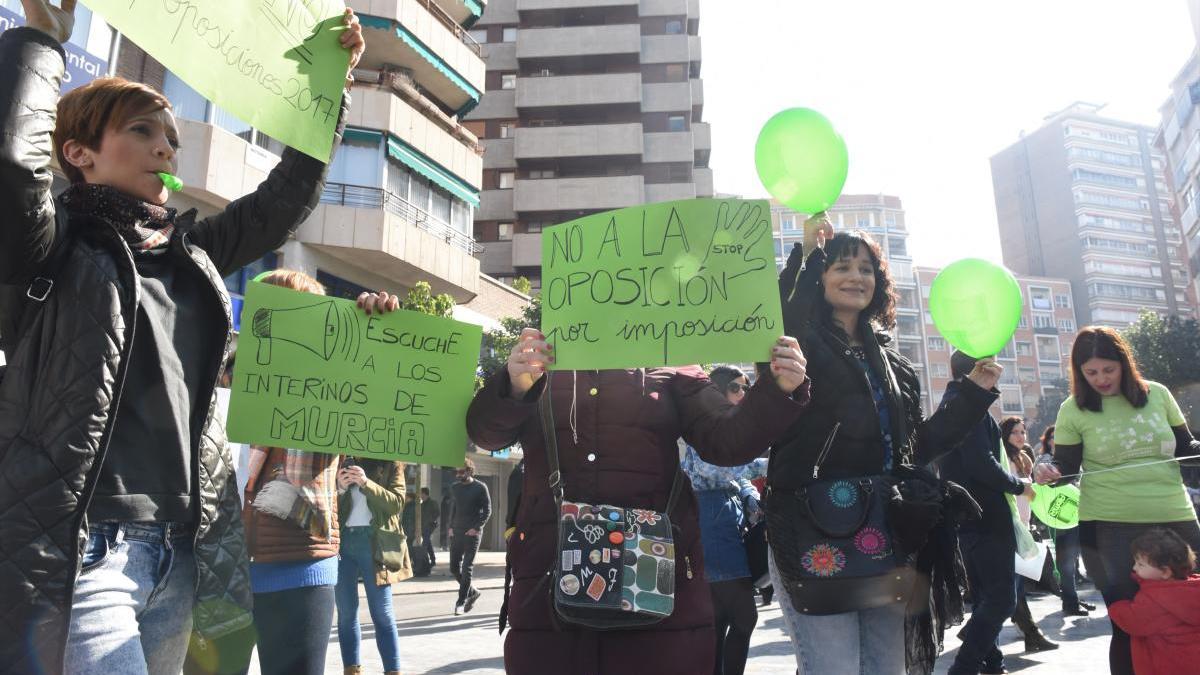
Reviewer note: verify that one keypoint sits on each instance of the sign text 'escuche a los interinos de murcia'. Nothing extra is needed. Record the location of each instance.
(664, 284)
(317, 373)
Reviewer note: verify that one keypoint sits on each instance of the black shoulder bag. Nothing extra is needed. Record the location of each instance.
(615, 568)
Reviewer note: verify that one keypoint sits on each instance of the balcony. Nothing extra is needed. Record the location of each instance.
(500, 55)
(498, 153)
(704, 182)
(673, 146)
(663, 8)
(579, 194)
(460, 12)
(536, 5)
(497, 258)
(702, 137)
(219, 167)
(666, 49)
(527, 250)
(496, 205)
(577, 90)
(667, 97)
(380, 108)
(497, 104)
(578, 41)
(417, 35)
(697, 91)
(378, 231)
(669, 192)
(594, 140)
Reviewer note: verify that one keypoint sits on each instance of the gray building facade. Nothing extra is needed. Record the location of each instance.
(1084, 198)
(589, 105)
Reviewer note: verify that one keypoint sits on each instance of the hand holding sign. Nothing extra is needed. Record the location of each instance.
(788, 364)
(528, 361)
(55, 22)
(352, 39)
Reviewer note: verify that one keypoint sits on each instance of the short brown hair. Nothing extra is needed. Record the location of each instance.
(1164, 548)
(1105, 343)
(84, 114)
(293, 279)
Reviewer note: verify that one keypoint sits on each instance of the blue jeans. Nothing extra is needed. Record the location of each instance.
(990, 568)
(866, 642)
(357, 560)
(132, 611)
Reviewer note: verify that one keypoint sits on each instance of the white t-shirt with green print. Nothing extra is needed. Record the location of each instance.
(1121, 435)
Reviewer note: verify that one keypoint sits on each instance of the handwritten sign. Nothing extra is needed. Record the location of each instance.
(316, 373)
(275, 64)
(664, 284)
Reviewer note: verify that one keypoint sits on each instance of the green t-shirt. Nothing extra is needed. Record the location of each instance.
(1121, 435)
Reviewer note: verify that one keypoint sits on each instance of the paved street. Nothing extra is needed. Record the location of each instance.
(433, 640)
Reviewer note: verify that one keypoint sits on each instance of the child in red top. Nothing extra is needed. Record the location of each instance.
(1163, 619)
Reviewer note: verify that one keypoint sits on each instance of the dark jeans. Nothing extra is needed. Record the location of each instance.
(293, 630)
(1066, 546)
(990, 570)
(427, 539)
(1109, 562)
(462, 561)
(735, 615)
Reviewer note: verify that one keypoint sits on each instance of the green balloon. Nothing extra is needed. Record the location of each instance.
(801, 160)
(1057, 507)
(976, 306)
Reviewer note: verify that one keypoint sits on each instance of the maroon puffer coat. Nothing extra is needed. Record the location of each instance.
(627, 423)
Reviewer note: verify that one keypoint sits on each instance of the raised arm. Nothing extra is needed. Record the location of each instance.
(31, 71)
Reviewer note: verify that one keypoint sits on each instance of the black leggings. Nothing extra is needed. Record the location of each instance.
(1105, 547)
(293, 630)
(735, 616)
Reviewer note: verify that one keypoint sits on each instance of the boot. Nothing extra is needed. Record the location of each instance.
(352, 670)
(1036, 642)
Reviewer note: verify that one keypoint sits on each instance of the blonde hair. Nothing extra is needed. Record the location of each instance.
(293, 279)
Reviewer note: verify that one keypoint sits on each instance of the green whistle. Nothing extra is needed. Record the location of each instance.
(173, 184)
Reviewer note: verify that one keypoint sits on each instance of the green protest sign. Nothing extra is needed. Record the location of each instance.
(317, 373)
(662, 285)
(275, 64)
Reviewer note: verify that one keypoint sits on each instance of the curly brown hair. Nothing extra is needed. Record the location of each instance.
(1164, 548)
(882, 309)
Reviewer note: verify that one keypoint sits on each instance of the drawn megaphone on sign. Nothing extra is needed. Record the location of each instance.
(325, 329)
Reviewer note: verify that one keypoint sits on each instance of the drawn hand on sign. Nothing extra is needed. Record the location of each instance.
(528, 360)
(55, 22)
(738, 233)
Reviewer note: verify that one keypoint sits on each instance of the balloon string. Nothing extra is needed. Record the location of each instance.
(1131, 466)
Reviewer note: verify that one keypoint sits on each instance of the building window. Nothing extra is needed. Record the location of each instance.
(542, 174)
(1024, 348)
(509, 34)
(1026, 374)
(676, 123)
(1043, 320)
(508, 81)
(679, 173)
(534, 228)
(1010, 401)
(338, 287)
(506, 179)
(1066, 325)
(479, 35)
(897, 246)
(674, 27)
(506, 130)
(1062, 301)
(862, 220)
(788, 222)
(675, 72)
(1039, 298)
(1047, 347)
(939, 370)
(1024, 322)
(936, 344)
(505, 231)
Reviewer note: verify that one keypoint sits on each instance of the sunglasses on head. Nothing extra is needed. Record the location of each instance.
(735, 387)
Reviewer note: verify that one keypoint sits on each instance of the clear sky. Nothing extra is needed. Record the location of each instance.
(926, 91)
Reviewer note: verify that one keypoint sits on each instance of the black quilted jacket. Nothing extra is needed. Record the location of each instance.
(60, 390)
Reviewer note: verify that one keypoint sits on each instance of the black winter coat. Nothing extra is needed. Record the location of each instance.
(64, 381)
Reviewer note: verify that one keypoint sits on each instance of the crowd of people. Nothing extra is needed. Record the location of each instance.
(128, 548)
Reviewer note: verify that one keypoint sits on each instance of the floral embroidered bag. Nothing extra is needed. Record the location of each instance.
(615, 568)
(833, 543)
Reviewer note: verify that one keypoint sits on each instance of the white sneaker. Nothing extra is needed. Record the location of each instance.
(458, 608)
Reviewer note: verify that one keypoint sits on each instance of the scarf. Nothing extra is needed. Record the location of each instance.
(303, 492)
(144, 226)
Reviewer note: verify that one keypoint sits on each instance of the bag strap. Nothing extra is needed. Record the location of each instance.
(20, 301)
(557, 488)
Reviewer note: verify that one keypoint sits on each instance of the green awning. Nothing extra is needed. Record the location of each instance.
(361, 135)
(476, 12)
(426, 53)
(417, 161)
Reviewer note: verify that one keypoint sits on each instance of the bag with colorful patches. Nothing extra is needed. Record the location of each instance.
(615, 568)
(833, 545)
